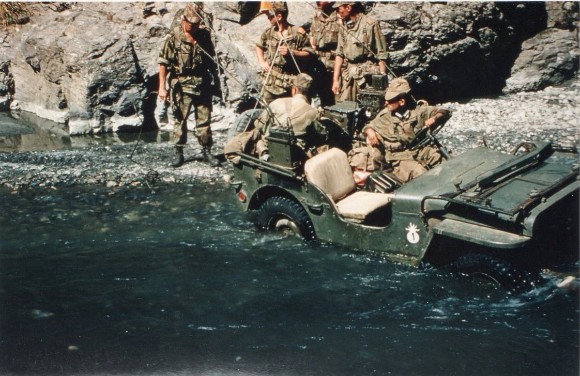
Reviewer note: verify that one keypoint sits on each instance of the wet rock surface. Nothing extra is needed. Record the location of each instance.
(500, 123)
(94, 65)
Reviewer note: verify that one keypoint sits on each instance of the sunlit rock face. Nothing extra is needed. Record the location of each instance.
(93, 66)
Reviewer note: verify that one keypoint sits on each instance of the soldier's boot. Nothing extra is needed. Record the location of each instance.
(209, 158)
(178, 159)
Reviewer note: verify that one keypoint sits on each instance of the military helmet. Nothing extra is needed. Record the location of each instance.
(396, 88)
(302, 81)
(192, 13)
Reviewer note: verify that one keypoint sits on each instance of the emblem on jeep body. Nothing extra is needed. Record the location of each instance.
(412, 233)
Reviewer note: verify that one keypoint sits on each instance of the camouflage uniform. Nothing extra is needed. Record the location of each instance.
(324, 32)
(397, 131)
(284, 69)
(191, 75)
(354, 42)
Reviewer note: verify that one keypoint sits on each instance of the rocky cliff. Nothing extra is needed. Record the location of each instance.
(92, 66)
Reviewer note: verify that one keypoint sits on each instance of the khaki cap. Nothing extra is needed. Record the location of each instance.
(280, 6)
(341, 3)
(191, 13)
(397, 87)
(302, 81)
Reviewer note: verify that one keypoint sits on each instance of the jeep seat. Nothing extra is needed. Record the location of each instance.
(331, 173)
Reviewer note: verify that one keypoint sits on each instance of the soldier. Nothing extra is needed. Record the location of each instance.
(282, 47)
(361, 50)
(323, 39)
(391, 131)
(296, 112)
(185, 63)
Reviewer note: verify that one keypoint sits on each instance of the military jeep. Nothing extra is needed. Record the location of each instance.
(483, 211)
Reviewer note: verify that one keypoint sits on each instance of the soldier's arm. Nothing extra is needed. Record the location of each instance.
(162, 92)
(381, 47)
(437, 116)
(262, 121)
(379, 131)
(303, 47)
(164, 61)
(371, 133)
(336, 74)
(261, 46)
(262, 59)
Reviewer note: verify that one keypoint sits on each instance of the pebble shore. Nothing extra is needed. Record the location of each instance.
(500, 123)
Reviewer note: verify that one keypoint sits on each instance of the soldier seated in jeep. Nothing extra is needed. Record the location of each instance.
(392, 132)
(294, 114)
(291, 118)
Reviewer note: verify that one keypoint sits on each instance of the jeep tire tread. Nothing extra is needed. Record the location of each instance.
(499, 271)
(283, 214)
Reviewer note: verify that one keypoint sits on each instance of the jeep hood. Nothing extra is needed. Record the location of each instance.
(487, 187)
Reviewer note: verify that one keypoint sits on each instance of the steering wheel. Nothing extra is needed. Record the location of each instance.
(426, 136)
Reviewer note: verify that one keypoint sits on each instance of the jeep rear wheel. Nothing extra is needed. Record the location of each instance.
(285, 215)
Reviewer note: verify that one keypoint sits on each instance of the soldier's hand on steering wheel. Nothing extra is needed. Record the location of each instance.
(429, 122)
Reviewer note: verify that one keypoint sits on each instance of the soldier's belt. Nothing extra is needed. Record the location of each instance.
(277, 69)
(330, 55)
(278, 79)
(190, 72)
(362, 60)
(278, 73)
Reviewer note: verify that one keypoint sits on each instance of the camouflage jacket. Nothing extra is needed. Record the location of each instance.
(356, 42)
(398, 131)
(324, 32)
(188, 64)
(296, 40)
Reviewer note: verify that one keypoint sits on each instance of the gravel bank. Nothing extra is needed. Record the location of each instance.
(500, 123)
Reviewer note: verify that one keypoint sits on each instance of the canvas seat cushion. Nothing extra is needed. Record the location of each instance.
(331, 172)
(360, 204)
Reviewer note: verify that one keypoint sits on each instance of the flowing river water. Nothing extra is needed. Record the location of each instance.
(176, 281)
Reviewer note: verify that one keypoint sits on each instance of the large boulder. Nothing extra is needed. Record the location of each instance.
(456, 50)
(86, 64)
(93, 66)
(562, 14)
(549, 58)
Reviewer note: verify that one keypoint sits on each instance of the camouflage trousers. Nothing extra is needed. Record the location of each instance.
(353, 79)
(183, 105)
(408, 169)
(405, 165)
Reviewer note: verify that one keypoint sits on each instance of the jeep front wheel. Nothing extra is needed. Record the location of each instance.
(285, 215)
(498, 271)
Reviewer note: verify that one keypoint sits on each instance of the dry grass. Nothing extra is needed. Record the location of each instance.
(13, 13)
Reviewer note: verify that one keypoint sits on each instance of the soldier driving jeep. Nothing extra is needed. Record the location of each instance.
(390, 133)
